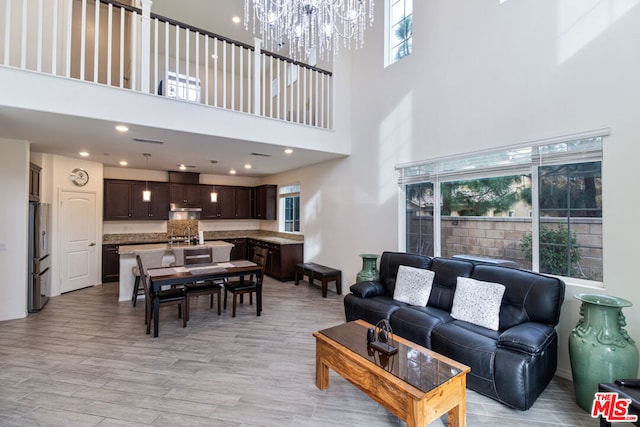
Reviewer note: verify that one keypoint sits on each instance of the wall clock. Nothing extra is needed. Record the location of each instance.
(79, 177)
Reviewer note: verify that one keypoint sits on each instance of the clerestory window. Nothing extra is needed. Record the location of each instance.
(399, 30)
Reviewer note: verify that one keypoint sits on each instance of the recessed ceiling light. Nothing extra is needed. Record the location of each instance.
(123, 163)
(232, 171)
(182, 167)
(122, 128)
(247, 166)
(288, 150)
(84, 154)
(235, 19)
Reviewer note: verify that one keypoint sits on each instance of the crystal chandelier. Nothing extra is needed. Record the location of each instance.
(311, 27)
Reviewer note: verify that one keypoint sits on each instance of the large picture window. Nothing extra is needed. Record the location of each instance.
(539, 207)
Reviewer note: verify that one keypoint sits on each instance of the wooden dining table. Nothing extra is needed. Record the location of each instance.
(171, 276)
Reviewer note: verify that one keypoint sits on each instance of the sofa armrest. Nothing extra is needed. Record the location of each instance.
(530, 338)
(368, 289)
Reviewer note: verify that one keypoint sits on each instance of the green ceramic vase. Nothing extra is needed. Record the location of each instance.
(600, 349)
(369, 270)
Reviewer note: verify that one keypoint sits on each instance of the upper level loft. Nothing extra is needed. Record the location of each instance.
(113, 45)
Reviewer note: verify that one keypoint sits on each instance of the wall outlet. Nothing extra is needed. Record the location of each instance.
(3, 247)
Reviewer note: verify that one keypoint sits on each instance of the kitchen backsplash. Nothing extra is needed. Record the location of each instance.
(182, 228)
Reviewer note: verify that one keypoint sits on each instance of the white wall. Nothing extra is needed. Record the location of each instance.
(485, 75)
(14, 187)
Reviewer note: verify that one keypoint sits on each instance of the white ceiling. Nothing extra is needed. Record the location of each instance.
(67, 135)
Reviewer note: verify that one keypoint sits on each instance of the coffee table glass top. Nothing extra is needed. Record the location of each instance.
(422, 370)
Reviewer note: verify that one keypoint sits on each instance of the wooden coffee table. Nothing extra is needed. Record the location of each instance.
(416, 384)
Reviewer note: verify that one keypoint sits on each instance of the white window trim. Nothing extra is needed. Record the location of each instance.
(281, 201)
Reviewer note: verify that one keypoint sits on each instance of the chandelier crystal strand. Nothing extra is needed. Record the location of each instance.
(309, 26)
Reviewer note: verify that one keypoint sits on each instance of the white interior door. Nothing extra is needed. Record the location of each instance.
(77, 220)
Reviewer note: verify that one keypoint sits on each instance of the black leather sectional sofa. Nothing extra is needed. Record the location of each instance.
(512, 365)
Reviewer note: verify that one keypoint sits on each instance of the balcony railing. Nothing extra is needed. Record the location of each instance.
(109, 43)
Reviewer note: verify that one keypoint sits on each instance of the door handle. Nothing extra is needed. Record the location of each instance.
(92, 244)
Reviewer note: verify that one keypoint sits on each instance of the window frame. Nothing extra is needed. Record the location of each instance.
(541, 153)
(291, 191)
(389, 57)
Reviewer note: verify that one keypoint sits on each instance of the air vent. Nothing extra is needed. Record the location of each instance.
(261, 154)
(148, 141)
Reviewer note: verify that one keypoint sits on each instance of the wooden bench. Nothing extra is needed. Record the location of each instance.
(319, 272)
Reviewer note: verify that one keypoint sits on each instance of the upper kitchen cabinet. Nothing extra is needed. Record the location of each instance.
(264, 202)
(123, 200)
(233, 202)
(185, 195)
(157, 208)
(34, 182)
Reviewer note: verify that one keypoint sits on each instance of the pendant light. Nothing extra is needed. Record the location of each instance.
(146, 194)
(214, 194)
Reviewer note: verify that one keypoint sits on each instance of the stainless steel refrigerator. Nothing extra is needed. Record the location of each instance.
(39, 257)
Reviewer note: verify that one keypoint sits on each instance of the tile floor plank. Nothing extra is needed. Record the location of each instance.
(85, 360)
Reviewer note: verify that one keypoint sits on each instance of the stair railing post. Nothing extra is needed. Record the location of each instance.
(145, 47)
(257, 77)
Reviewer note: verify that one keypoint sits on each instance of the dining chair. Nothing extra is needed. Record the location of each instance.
(173, 296)
(242, 286)
(149, 260)
(196, 256)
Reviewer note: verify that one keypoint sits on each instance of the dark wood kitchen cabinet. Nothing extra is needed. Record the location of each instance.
(157, 208)
(110, 263)
(233, 202)
(186, 195)
(282, 259)
(239, 250)
(123, 200)
(265, 202)
(34, 182)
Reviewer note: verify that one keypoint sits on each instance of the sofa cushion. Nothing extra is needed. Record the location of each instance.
(478, 302)
(472, 345)
(391, 261)
(413, 285)
(416, 323)
(444, 284)
(529, 297)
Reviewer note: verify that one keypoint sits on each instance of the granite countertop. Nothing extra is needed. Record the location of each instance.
(277, 240)
(150, 247)
(163, 238)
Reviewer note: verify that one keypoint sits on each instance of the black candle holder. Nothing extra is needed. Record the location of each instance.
(382, 339)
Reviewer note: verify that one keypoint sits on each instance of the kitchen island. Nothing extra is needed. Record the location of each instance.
(161, 255)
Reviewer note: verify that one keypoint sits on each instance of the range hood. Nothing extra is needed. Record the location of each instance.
(179, 211)
(177, 207)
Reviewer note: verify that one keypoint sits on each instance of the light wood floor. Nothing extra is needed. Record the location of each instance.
(85, 360)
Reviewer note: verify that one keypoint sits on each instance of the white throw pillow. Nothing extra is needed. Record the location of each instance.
(478, 302)
(413, 285)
